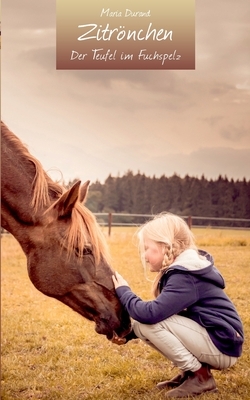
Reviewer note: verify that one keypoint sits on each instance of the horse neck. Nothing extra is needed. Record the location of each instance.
(19, 173)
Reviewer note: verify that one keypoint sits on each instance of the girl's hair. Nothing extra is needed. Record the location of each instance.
(172, 233)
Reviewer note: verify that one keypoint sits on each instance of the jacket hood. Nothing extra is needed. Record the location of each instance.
(200, 264)
(193, 260)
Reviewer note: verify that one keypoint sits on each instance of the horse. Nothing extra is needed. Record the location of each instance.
(67, 254)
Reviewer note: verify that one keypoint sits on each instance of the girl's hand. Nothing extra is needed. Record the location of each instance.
(119, 280)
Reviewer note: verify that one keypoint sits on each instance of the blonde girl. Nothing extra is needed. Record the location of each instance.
(191, 321)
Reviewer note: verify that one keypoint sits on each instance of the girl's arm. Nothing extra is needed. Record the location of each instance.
(178, 293)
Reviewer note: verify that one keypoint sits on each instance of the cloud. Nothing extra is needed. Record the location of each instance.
(75, 161)
(45, 57)
(244, 86)
(111, 121)
(234, 133)
(39, 14)
(213, 120)
(211, 162)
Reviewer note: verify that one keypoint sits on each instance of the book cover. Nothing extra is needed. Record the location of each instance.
(89, 123)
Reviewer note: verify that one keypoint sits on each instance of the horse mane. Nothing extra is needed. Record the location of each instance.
(83, 227)
(42, 183)
(78, 236)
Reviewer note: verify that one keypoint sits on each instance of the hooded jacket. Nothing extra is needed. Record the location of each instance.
(192, 287)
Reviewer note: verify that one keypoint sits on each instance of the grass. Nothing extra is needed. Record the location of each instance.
(51, 353)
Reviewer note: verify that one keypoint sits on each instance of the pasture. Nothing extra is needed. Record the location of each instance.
(49, 352)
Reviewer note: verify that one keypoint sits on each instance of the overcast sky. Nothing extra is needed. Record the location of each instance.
(88, 124)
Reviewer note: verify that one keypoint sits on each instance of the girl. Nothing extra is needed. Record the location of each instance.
(191, 322)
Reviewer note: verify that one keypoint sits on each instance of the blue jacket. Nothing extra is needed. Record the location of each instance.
(196, 294)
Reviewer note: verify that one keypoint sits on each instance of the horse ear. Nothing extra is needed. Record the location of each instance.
(66, 203)
(84, 191)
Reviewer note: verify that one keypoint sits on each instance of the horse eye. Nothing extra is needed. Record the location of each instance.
(86, 251)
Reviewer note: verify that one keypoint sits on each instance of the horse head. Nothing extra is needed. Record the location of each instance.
(67, 255)
(70, 262)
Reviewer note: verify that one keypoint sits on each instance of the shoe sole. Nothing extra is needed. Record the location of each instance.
(215, 390)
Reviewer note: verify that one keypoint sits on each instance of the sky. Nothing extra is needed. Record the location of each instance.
(89, 124)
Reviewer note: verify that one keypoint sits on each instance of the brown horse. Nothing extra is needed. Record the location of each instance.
(67, 255)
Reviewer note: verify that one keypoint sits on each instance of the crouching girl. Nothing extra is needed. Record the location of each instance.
(191, 321)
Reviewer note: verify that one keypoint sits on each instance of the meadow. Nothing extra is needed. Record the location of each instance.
(49, 352)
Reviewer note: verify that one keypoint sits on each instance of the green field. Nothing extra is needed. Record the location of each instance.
(50, 352)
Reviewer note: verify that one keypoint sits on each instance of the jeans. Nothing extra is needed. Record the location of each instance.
(184, 342)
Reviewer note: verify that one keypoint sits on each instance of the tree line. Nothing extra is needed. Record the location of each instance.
(141, 194)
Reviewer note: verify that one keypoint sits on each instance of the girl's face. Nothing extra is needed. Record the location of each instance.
(154, 253)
